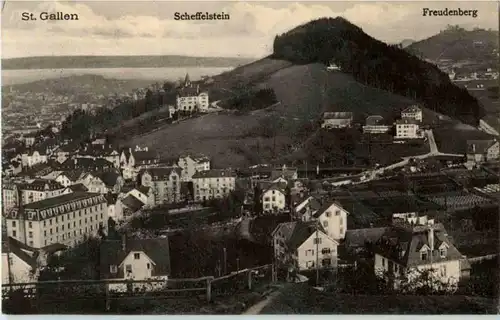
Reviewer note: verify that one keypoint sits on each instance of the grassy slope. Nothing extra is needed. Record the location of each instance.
(302, 299)
(300, 90)
(457, 45)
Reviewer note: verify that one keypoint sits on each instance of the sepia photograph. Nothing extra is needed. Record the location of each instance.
(250, 157)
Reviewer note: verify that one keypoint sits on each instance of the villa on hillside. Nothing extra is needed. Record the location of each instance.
(412, 112)
(336, 120)
(190, 98)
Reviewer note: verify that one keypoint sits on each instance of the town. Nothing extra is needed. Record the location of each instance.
(154, 220)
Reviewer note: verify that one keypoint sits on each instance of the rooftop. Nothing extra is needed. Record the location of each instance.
(60, 200)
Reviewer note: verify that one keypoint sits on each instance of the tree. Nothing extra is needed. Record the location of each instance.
(257, 201)
(149, 100)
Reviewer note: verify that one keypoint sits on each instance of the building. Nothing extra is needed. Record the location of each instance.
(66, 219)
(70, 177)
(274, 199)
(39, 190)
(286, 173)
(306, 208)
(214, 183)
(304, 246)
(144, 194)
(375, 124)
(104, 151)
(336, 120)
(115, 207)
(414, 245)
(10, 196)
(408, 129)
(191, 164)
(132, 160)
(135, 259)
(20, 263)
(412, 112)
(165, 183)
(33, 157)
(333, 219)
(190, 98)
(479, 151)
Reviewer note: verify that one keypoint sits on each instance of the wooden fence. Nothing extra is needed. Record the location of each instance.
(107, 292)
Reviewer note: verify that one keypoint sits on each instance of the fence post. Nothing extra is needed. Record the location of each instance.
(250, 280)
(209, 289)
(108, 300)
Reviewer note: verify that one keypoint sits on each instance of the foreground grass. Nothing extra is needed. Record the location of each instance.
(303, 299)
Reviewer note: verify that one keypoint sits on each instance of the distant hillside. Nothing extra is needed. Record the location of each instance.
(458, 44)
(406, 42)
(376, 64)
(120, 62)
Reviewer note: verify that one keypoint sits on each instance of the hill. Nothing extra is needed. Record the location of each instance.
(302, 299)
(304, 92)
(406, 42)
(376, 64)
(457, 44)
(62, 62)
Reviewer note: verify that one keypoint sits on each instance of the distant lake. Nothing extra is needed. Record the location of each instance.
(11, 77)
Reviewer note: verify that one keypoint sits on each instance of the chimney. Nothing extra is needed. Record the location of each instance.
(124, 242)
(431, 238)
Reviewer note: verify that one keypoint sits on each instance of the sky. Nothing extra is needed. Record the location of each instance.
(148, 28)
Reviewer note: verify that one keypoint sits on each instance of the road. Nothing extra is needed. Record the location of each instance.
(487, 128)
(432, 153)
(245, 229)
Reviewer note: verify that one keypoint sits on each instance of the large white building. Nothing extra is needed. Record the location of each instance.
(33, 157)
(215, 183)
(165, 183)
(274, 199)
(191, 164)
(190, 98)
(414, 245)
(65, 219)
(333, 219)
(408, 129)
(39, 190)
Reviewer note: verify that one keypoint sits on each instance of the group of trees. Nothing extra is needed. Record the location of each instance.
(246, 99)
(376, 64)
(82, 124)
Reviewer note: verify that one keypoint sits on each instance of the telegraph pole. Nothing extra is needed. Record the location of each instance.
(317, 254)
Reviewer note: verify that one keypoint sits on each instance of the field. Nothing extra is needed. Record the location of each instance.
(453, 138)
(302, 299)
(304, 93)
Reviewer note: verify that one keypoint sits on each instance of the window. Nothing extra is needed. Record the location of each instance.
(310, 264)
(137, 256)
(326, 262)
(383, 262)
(328, 214)
(50, 230)
(30, 234)
(44, 233)
(44, 223)
(56, 219)
(128, 268)
(341, 230)
(337, 212)
(14, 233)
(13, 224)
(317, 240)
(423, 255)
(325, 224)
(443, 271)
(113, 268)
(57, 229)
(325, 251)
(50, 221)
(30, 225)
(442, 252)
(148, 266)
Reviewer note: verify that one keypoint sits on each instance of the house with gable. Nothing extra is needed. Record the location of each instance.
(415, 244)
(191, 164)
(302, 246)
(479, 151)
(132, 160)
(274, 199)
(33, 157)
(135, 259)
(332, 217)
(164, 182)
(20, 263)
(413, 112)
(144, 194)
(69, 177)
(306, 208)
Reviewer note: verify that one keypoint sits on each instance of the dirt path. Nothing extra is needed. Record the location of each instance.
(257, 308)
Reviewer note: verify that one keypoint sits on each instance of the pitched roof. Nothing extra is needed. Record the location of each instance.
(111, 198)
(13, 246)
(79, 187)
(160, 173)
(337, 115)
(73, 175)
(358, 237)
(412, 109)
(144, 190)
(132, 203)
(325, 207)
(375, 120)
(403, 244)
(109, 178)
(60, 200)
(296, 232)
(142, 156)
(41, 184)
(215, 173)
(275, 186)
(112, 253)
(479, 146)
